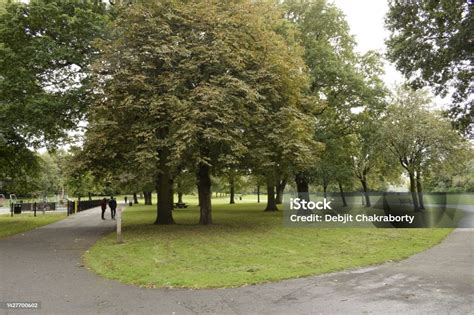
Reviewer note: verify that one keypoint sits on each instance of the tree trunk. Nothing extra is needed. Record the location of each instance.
(204, 191)
(147, 195)
(366, 193)
(232, 190)
(258, 193)
(280, 188)
(171, 191)
(419, 189)
(414, 196)
(165, 203)
(343, 197)
(180, 197)
(325, 191)
(90, 196)
(135, 198)
(302, 186)
(271, 201)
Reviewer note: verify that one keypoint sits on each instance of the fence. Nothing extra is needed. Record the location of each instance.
(81, 205)
(20, 207)
(70, 206)
(39, 206)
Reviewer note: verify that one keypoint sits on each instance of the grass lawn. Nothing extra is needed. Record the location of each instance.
(244, 246)
(24, 222)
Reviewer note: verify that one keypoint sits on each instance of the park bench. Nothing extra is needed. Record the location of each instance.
(180, 205)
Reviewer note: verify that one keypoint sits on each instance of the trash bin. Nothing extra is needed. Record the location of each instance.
(17, 208)
(130, 204)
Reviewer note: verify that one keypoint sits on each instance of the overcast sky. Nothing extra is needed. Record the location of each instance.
(366, 20)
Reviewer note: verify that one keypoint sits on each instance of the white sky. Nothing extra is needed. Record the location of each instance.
(366, 20)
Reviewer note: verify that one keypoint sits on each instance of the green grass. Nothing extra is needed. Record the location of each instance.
(24, 222)
(244, 246)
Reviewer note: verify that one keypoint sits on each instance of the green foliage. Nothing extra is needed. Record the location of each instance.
(44, 53)
(455, 173)
(41, 179)
(431, 44)
(367, 151)
(78, 180)
(44, 56)
(418, 138)
(216, 84)
(340, 80)
(185, 183)
(49, 178)
(17, 163)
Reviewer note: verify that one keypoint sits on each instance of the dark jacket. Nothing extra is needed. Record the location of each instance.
(112, 204)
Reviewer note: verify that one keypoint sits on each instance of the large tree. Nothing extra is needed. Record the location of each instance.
(431, 43)
(45, 51)
(282, 135)
(340, 79)
(179, 85)
(252, 94)
(367, 154)
(418, 138)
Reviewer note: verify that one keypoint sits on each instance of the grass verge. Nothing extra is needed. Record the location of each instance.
(24, 222)
(245, 246)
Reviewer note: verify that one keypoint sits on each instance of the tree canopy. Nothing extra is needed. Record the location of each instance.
(45, 51)
(182, 96)
(431, 44)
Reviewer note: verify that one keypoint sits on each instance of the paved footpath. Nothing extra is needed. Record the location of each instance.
(44, 265)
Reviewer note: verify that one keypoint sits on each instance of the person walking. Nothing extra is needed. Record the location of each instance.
(113, 206)
(103, 206)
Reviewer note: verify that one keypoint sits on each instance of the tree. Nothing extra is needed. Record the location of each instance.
(79, 181)
(431, 44)
(255, 182)
(183, 97)
(17, 162)
(45, 50)
(285, 144)
(367, 154)
(232, 182)
(334, 165)
(340, 80)
(244, 93)
(185, 183)
(456, 174)
(417, 137)
(49, 178)
(282, 135)
(139, 93)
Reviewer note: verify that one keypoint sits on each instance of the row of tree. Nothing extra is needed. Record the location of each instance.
(174, 90)
(246, 87)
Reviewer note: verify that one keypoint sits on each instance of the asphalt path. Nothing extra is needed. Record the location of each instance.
(44, 265)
